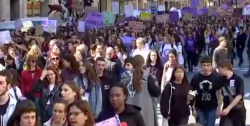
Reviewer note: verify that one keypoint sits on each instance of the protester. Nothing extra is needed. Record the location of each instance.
(7, 102)
(233, 112)
(208, 98)
(49, 87)
(59, 116)
(70, 91)
(168, 68)
(141, 85)
(90, 86)
(80, 114)
(127, 114)
(25, 114)
(174, 99)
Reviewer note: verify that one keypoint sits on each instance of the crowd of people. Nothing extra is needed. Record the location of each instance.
(80, 80)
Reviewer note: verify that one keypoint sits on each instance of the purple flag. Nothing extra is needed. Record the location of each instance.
(204, 10)
(94, 20)
(173, 16)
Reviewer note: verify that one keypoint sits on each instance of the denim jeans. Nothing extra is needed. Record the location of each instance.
(206, 118)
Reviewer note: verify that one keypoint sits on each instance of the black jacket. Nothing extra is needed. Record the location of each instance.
(46, 100)
(114, 67)
(131, 115)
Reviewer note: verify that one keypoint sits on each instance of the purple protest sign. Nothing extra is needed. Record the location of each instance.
(94, 20)
(193, 11)
(199, 12)
(195, 3)
(173, 16)
(204, 10)
(224, 6)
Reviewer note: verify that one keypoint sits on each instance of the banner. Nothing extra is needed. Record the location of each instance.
(162, 18)
(109, 18)
(135, 26)
(94, 20)
(146, 16)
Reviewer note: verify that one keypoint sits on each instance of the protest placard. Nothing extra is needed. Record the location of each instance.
(115, 7)
(120, 18)
(81, 26)
(5, 37)
(26, 25)
(39, 30)
(18, 24)
(135, 26)
(108, 18)
(88, 9)
(146, 16)
(94, 20)
(114, 121)
(162, 18)
(187, 17)
(129, 9)
(49, 25)
(78, 6)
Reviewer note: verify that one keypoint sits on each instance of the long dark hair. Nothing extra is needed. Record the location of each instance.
(25, 106)
(90, 74)
(158, 60)
(138, 72)
(184, 80)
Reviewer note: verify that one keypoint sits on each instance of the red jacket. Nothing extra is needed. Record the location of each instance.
(27, 81)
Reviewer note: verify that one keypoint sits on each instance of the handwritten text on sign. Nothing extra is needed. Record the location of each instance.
(94, 20)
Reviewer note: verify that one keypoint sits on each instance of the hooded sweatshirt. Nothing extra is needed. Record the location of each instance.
(131, 115)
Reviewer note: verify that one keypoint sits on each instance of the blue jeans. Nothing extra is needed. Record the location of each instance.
(206, 118)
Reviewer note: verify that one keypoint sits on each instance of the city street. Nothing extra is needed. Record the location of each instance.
(240, 71)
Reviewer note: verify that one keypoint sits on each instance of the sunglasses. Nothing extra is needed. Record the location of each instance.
(55, 58)
(33, 61)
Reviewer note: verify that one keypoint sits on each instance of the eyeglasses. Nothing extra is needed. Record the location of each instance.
(74, 113)
(55, 58)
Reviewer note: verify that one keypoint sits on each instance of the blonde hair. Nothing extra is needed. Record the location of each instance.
(37, 51)
(29, 57)
(169, 38)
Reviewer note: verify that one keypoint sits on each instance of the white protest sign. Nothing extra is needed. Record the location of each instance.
(81, 26)
(246, 10)
(115, 7)
(129, 9)
(26, 25)
(49, 25)
(5, 37)
(18, 24)
(161, 8)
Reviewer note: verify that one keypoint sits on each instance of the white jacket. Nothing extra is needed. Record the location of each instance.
(10, 109)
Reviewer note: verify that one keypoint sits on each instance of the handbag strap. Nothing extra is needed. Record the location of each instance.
(231, 98)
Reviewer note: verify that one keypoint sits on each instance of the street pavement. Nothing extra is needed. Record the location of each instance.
(239, 71)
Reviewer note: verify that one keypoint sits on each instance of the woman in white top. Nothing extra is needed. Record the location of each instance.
(168, 67)
(179, 50)
(120, 54)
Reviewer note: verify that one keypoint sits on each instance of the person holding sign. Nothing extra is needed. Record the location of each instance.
(128, 115)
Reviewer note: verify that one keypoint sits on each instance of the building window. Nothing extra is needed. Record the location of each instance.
(33, 9)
